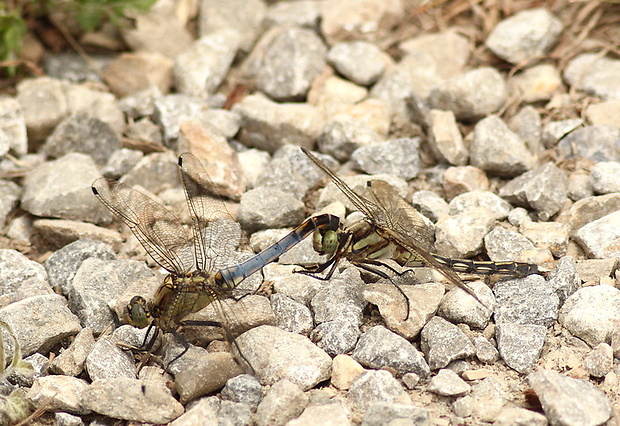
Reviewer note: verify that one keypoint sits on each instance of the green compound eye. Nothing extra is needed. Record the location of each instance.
(138, 311)
(330, 242)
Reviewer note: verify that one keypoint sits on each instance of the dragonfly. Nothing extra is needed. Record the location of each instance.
(393, 229)
(193, 260)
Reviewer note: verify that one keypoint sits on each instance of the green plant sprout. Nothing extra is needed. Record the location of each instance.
(15, 407)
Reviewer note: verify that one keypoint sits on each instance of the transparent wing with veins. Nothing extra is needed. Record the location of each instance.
(216, 233)
(158, 230)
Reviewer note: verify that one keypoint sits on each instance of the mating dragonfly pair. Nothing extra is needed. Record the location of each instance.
(391, 229)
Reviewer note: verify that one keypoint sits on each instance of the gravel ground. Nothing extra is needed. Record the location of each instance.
(499, 123)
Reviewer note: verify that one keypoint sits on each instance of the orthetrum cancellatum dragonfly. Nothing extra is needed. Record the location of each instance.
(196, 277)
(393, 229)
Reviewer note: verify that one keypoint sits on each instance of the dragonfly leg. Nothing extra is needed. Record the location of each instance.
(183, 342)
(383, 275)
(315, 270)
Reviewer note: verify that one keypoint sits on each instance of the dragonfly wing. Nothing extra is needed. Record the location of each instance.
(412, 246)
(402, 217)
(370, 209)
(158, 230)
(216, 233)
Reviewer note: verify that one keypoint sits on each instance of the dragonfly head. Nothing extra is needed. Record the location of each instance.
(139, 312)
(325, 241)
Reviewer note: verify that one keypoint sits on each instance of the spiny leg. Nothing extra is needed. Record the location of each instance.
(383, 275)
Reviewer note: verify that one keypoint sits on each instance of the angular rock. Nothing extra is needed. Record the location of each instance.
(397, 156)
(600, 238)
(290, 63)
(380, 348)
(445, 138)
(200, 373)
(520, 345)
(131, 399)
(107, 361)
(10, 194)
(476, 199)
(459, 306)
(600, 360)
(341, 136)
(283, 402)
(70, 362)
(299, 287)
(596, 143)
(519, 416)
(525, 35)
(370, 20)
(275, 354)
(458, 180)
(203, 411)
(200, 69)
(503, 244)
(268, 125)
(341, 300)
(443, 343)
(158, 30)
(595, 75)
(242, 17)
(556, 392)
(564, 279)
(590, 313)
(605, 177)
(84, 134)
(64, 263)
(378, 413)
(132, 73)
(60, 393)
(170, 111)
(376, 386)
(123, 160)
(262, 208)
(448, 383)
(39, 322)
(20, 278)
(528, 300)
(292, 172)
(497, 150)
(358, 61)
(344, 370)
(550, 236)
(485, 351)
(13, 128)
(243, 388)
(336, 337)
(220, 160)
(538, 83)
(154, 172)
(291, 315)
(61, 188)
(462, 235)
(472, 95)
(297, 13)
(59, 233)
(544, 189)
(405, 314)
(336, 414)
(488, 399)
(44, 104)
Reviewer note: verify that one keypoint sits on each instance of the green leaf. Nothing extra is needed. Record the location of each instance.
(16, 406)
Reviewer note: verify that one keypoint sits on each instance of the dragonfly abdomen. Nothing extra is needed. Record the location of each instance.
(233, 275)
(516, 269)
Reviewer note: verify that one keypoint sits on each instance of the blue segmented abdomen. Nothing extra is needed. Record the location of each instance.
(233, 275)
